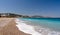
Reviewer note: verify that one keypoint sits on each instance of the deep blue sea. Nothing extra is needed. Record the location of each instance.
(51, 23)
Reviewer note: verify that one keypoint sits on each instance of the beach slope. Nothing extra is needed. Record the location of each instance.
(8, 27)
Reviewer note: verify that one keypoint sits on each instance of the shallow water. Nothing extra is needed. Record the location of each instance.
(52, 23)
(46, 26)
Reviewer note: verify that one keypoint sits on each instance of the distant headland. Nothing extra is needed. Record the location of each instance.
(17, 15)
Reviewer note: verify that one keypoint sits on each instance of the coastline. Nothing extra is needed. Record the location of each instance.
(21, 25)
(10, 28)
(26, 28)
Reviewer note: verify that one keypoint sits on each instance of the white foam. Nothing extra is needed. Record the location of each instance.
(22, 26)
(54, 33)
(26, 28)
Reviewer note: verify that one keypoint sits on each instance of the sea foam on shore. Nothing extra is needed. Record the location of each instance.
(26, 28)
(29, 29)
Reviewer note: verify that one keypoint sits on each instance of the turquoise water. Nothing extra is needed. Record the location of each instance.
(52, 23)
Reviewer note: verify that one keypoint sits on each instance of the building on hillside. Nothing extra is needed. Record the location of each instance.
(9, 15)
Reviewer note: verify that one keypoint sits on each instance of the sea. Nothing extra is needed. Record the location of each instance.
(39, 26)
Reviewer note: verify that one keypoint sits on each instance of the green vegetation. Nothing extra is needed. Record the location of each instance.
(17, 15)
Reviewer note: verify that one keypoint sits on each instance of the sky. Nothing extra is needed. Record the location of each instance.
(50, 8)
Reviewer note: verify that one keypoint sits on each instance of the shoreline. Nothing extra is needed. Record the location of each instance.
(43, 31)
(10, 28)
(26, 28)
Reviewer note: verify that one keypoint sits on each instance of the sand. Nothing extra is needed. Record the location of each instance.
(8, 27)
(22, 26)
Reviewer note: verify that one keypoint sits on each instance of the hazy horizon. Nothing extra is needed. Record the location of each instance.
(50, 8)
